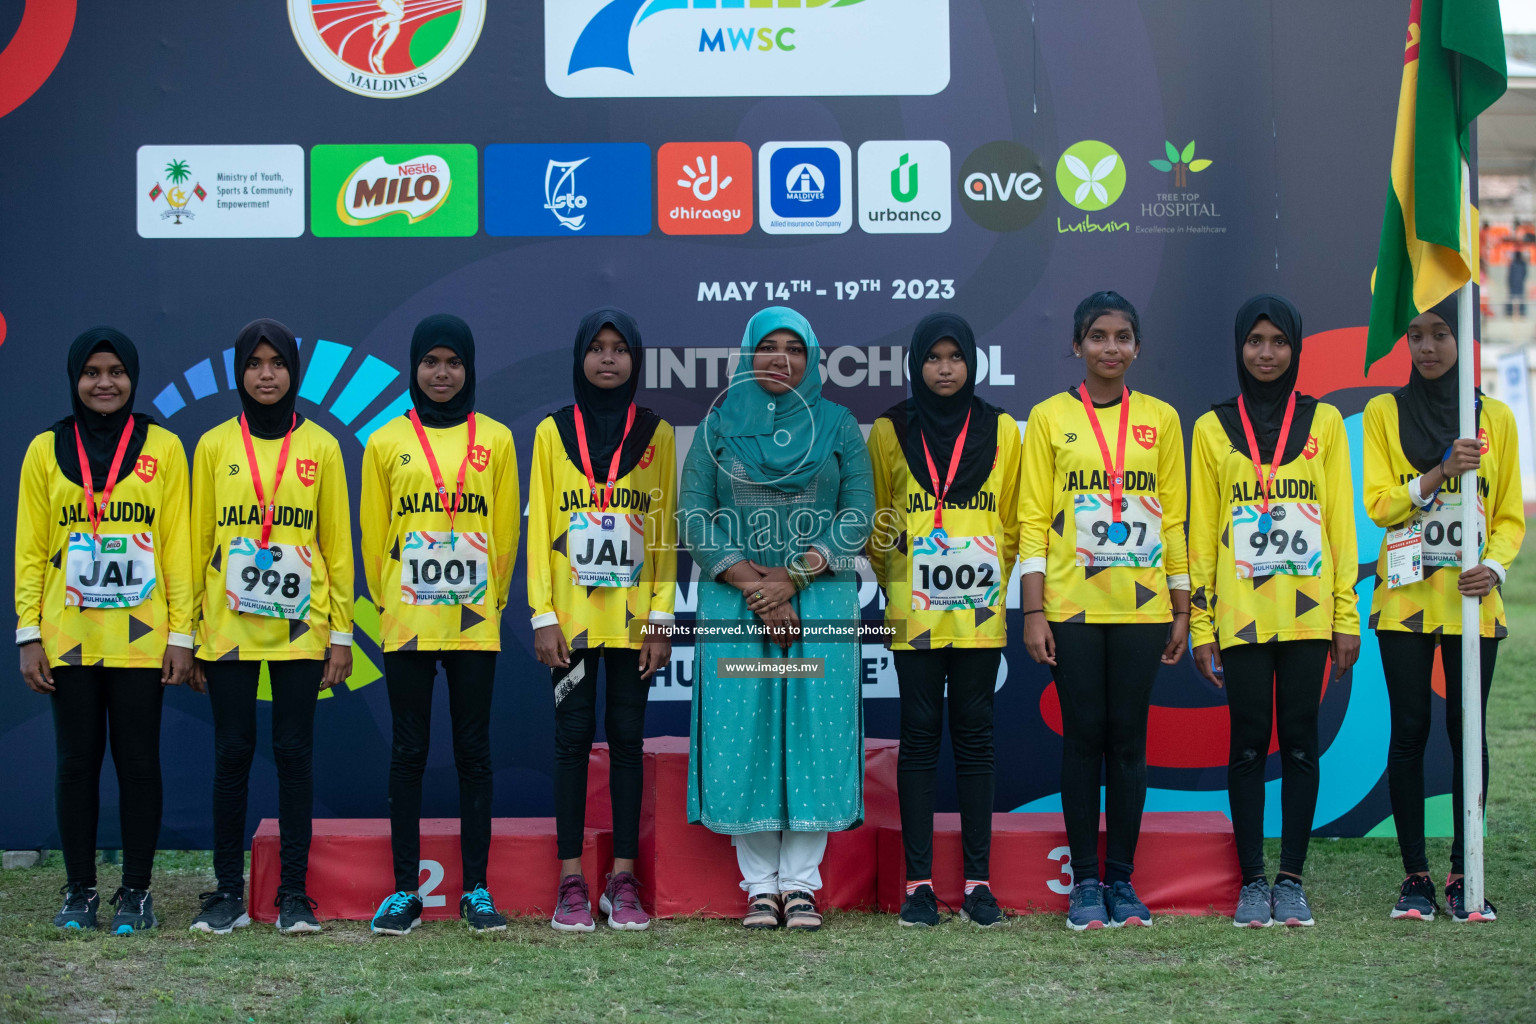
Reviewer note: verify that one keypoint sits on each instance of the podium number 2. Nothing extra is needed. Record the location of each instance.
(1062, 854)
(434, 872)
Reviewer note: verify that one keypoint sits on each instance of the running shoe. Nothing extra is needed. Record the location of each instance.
(621, 902)
(1085, 909)
(573, 906)
(222, 913)
(1288, 904)
(80, 904)
(296, 913)
(397, 915)
(920, 909)
(478, 910)
(135, 911)
(980, 908)
(1253, 906)
(1416, 901)
(1125, 907)
(1456, 898)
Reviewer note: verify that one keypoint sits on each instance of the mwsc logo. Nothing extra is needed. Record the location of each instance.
(723, 48)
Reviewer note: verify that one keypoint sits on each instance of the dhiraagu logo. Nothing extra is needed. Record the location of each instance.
(598, 48)
(1090, 176)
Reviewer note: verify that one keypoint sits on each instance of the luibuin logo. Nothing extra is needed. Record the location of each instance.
(1181, 162)
(1090, 175)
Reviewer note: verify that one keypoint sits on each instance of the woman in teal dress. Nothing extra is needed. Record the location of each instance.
(776, 502)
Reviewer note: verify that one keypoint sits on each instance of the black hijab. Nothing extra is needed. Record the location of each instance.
(100, 434)
(1266, 402)
(604, 410)
(938, 418)
(268, 422)
(453, 334)
(1429, 411)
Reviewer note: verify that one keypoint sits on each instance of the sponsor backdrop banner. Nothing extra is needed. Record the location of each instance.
(350, 166)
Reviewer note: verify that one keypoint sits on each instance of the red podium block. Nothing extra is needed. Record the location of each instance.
(1186, 863)
(687, 869)
(350, 868)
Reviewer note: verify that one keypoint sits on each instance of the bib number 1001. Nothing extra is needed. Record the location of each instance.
(443, 568)
(451, 571)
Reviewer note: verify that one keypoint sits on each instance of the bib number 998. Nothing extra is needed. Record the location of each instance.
(271, 580)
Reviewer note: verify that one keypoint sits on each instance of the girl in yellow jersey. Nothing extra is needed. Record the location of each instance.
(272, 547)
(440, 521)
(104, 611)
(1272, 560)
(602, 562)
(1105, 589)
(945, 565)
(1413, 465)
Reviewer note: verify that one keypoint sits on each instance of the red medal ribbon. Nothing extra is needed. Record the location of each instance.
(949, 477)
(613, 467)
(452, 508)
(268, 508)
(1116, 470)
(93, 512)
(1253, 445)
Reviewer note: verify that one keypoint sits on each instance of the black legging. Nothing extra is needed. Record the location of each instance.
(1406, 661)
(575, 726)
(232, 693)
(89, 706)
(1104, 676)
(971, 673)
(1286, 679)
(410, 676)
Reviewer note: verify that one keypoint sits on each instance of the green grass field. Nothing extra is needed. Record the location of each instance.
(1355, 965)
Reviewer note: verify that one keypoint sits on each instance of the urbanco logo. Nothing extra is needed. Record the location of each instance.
(1181, 162)
(704, 188)
(807, 188)
(1091, 175)
(759, 48)
(386, 48)
(599, 188)
(397, 190)
(904, 187)
(1002, 186)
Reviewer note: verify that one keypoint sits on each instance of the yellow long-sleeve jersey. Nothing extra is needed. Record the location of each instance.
(250, 614)
(66, 587)
(903, 551)
(1094, 572)
(592, 616)
(1433, 605)
(1293, 582)
(439, 589)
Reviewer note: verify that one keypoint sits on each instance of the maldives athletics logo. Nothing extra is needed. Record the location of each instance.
(386, 48)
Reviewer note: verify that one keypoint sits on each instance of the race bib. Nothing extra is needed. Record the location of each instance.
(1442, 531)
(444, 568)
(1290, 544)
(606, 549)
(1136, 541)
(1405, 553)
(110, 571)
(955, 572)
(275, 583)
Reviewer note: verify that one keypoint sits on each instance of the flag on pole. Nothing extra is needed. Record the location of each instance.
(1453, 46)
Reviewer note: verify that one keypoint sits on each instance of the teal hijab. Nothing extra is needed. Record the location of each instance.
(783, 440)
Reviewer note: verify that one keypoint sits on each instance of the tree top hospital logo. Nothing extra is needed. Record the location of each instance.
(386, 48)
(807, 188)
(598, 48)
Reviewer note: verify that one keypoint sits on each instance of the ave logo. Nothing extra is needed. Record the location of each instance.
(704, 188)
(1002, 186)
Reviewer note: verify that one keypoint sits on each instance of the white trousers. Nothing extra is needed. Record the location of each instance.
(780, 861)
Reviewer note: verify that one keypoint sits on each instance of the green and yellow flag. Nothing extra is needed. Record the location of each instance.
(1454, 46)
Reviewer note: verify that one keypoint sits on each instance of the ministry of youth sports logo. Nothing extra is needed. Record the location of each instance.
(386, 48)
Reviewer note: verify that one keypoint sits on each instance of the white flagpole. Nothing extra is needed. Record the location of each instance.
(1471, 607)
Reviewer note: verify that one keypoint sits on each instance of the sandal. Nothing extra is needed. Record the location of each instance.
(763, 912)
(800, 912)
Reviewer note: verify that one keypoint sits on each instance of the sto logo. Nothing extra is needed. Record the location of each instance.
(604, 43)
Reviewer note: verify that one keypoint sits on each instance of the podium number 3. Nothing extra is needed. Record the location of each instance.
(434, 872)
(1063, 854)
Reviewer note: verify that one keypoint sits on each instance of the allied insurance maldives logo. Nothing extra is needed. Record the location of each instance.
(386, 48)
(596, 48)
